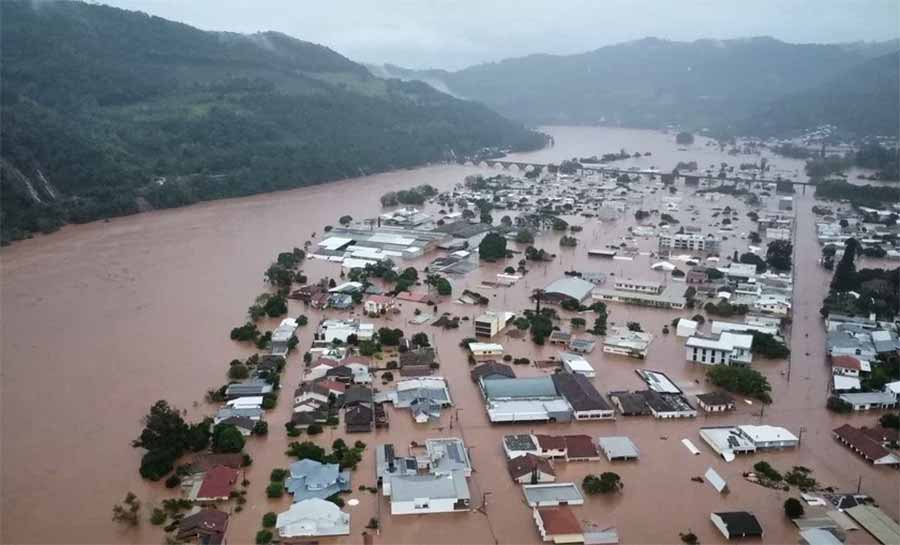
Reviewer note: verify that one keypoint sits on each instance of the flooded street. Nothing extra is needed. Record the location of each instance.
(101, 320)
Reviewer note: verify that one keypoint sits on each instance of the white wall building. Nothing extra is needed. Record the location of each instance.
(726, 349)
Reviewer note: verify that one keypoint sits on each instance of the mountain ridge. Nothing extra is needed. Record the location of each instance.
(652, 82)
(119, 111)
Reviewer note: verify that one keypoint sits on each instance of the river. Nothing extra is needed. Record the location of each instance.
(101, 320)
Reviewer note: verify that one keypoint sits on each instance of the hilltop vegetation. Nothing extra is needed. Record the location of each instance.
(107, 112)
(722, 85)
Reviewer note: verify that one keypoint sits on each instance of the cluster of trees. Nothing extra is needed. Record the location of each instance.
(282, 273)
(779, 255)
(416, 196)
(606, 483)
(741, 380)
(390, 337)
(874, 290)
(871, 156)
(568, 242)
(768, 346)
(492, 247)
(866, 195)
(77, 74)
(684, 138)
(166, 436)
(348, 457)
(535, 254)
(268, 304)
(725, 308)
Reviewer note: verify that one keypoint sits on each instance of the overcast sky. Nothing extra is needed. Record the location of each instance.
(445, 34)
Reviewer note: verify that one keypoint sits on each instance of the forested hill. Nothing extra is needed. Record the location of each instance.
(106, 112)
(864, 99)
(652, 82)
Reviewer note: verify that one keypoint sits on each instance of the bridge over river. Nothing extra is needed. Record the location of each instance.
(691, 179)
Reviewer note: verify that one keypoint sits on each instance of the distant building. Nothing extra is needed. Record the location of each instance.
(574, 363)
(490, 323)
(624, 342)
(567, 288)
(485, 351)
(716, 402)
(689, 242)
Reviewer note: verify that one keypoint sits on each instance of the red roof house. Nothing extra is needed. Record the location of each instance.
(217, 484)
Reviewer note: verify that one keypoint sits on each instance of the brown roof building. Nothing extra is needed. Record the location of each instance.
(530, 469)
(558, 524)
(217, 484)
(859, 441)
(206, 526)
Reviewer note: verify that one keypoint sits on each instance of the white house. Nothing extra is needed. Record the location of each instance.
(624, 342)
(574, 363)
(486, 350)
(686, 328)
(313, 517)
(490, 323)
(777, 305)
(376, 304)
(420, 494)
(725, 349)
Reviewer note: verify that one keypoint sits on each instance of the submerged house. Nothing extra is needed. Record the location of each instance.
(312, 517)
(312, 479)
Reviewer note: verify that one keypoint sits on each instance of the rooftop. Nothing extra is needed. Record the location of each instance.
(559, 520)
(545, 494)
(444, 486)
(618, 447)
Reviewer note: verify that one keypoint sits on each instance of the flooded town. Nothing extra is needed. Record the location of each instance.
(449, 273)
(515, 354)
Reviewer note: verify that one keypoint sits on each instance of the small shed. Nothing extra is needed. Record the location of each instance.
(686, 328)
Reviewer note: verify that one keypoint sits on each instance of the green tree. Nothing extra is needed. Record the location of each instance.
(238, 371)
(793, 509)
(779, 255)
(227, 439)
(524, 236)
(307, 450)
(492, 247)
(269, 520)
(164, 429)
(890, 420)
(844, 278)
(684, 138)
(741, 380)
(275, 489)
(606, 483)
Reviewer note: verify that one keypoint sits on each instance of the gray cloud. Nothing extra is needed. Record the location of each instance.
(454, 34)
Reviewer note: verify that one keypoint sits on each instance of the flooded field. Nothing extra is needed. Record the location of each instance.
(101, 320)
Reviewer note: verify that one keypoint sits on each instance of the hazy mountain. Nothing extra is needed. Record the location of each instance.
(652, 82)
(864, 99)
(107, 111)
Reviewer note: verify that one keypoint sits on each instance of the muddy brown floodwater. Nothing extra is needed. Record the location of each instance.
(101, 320)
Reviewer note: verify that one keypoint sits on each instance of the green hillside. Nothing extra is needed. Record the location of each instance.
(107, 112)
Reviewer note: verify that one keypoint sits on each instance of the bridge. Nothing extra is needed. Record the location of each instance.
(690, 179)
